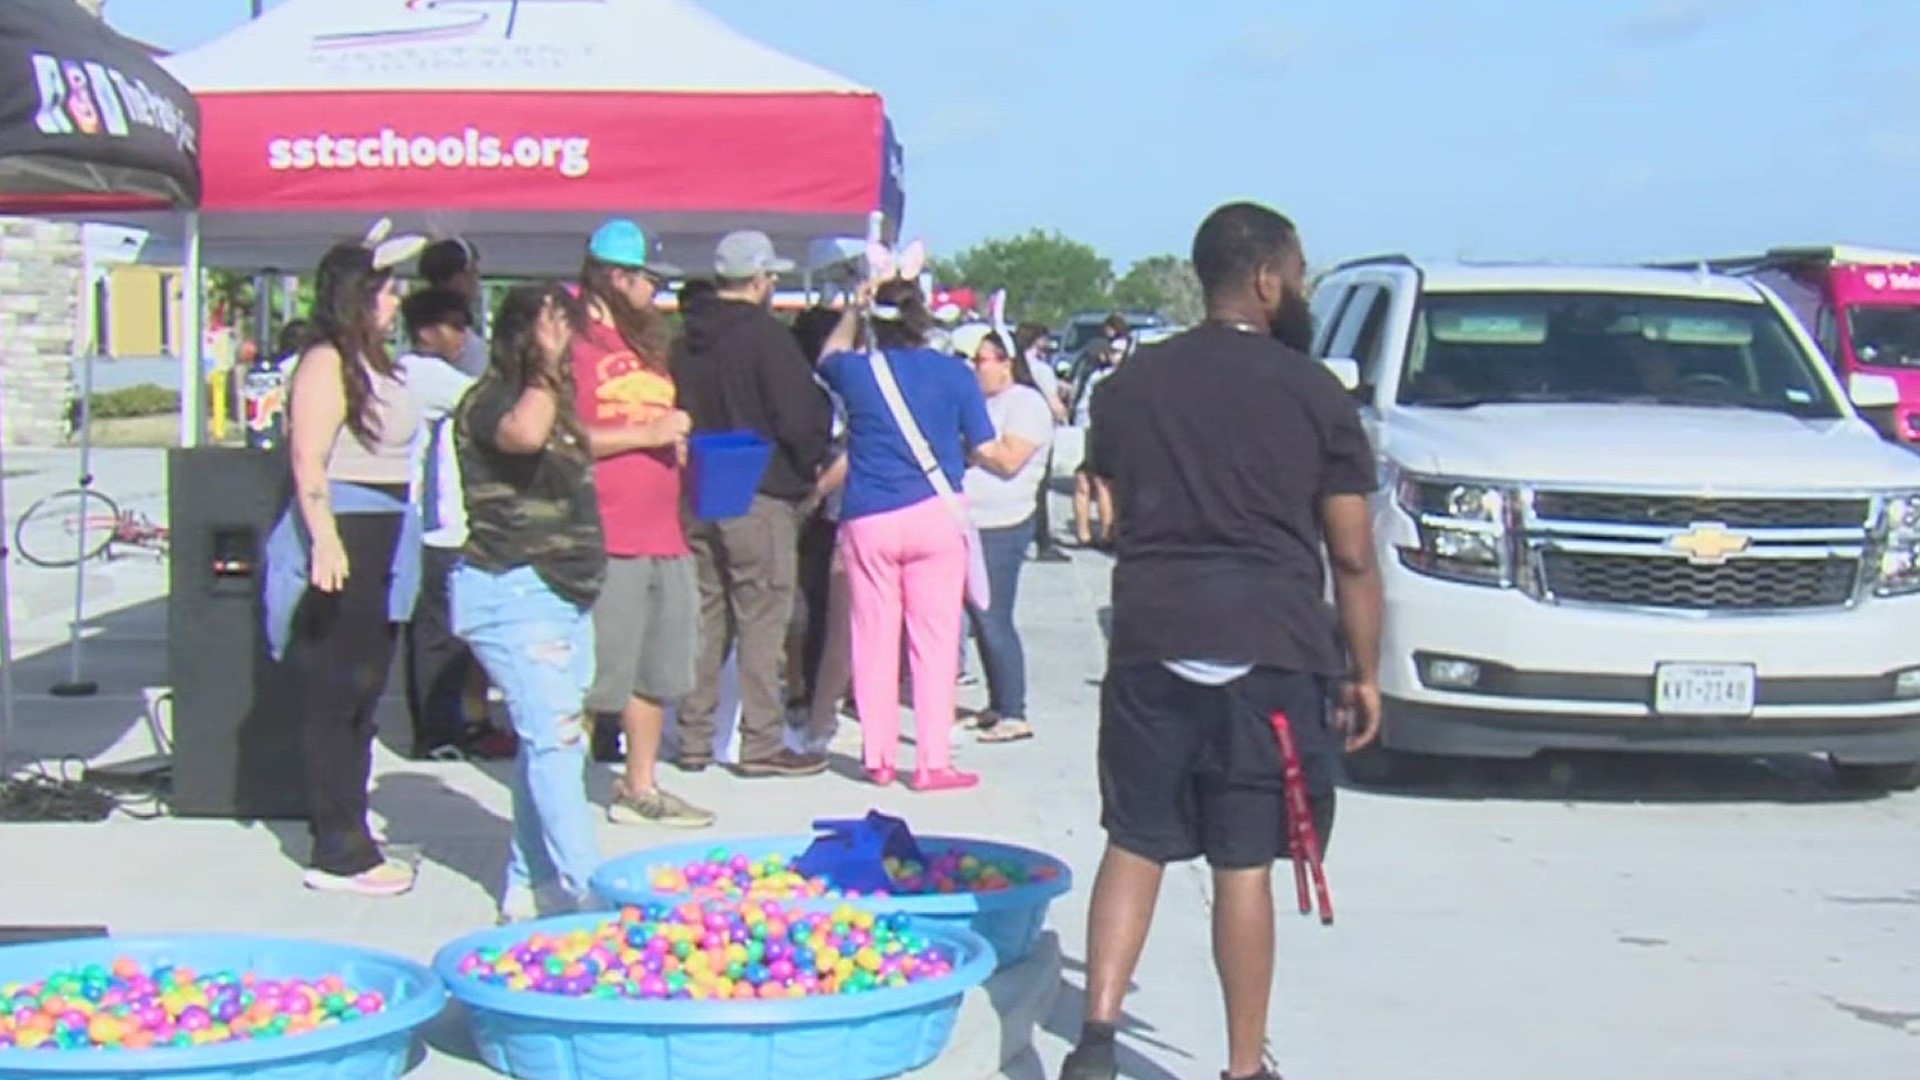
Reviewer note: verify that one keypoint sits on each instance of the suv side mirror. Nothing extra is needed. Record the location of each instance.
(1872, 391)
(1344, 369)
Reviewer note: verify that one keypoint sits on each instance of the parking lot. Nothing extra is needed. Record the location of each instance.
(1580, 919)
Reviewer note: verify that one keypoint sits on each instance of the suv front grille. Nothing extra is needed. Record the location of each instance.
(1680, 511)
(1659, 582)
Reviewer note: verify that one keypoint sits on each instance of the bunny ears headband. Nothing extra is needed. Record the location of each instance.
(884, 266)
(388, 250)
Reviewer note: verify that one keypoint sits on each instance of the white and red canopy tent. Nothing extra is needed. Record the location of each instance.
(521, 124)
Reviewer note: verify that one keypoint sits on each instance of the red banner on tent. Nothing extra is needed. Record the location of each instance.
(561, 151)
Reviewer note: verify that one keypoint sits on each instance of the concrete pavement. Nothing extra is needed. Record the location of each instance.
(1648, 919)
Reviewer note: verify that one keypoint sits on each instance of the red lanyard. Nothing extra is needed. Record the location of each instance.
(1303, 842)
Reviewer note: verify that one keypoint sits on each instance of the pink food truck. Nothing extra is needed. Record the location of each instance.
(1861, 304)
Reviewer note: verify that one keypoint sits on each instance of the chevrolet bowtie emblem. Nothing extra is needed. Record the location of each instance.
(1709, 545)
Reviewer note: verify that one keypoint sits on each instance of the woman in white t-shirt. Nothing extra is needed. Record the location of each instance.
(1003, 508)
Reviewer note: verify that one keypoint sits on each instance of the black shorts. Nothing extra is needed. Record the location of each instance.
(1188, 770)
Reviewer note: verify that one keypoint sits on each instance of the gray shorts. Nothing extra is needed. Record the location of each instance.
(646, 628)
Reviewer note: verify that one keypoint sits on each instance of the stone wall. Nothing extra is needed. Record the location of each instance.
(40, 274)
(40, 280)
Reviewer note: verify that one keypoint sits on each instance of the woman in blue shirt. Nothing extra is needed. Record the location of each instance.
(904, 547)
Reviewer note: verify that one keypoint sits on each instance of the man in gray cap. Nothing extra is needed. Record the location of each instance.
(739, 369)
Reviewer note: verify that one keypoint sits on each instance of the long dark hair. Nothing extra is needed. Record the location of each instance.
(643, 329)
(1027, 335)
(344, 289)
(909, 330)
(812, 328)
(1022, 371)
(515, 353)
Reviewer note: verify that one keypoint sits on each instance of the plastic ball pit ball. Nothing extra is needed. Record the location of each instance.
(209, 1007)
(755, 950)
(714, 991)
(123, 1005)
(724, 874)
(999, 891)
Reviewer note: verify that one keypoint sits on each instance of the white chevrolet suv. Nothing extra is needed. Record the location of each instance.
(1628, 509)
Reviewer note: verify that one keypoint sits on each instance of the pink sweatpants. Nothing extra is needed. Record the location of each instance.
(906, 565)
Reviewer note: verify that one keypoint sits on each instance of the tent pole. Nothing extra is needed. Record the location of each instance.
(6, 631)
(193, 385)
(75, 686)
(263, 313)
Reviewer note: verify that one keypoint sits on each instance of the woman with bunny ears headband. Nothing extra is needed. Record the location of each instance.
(915, 419)
(343, 564)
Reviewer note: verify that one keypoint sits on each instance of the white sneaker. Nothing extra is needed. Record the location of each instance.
(390, 878)
(846, 739)
(525, 903)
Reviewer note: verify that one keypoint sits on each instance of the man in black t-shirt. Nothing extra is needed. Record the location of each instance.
(1234, 460)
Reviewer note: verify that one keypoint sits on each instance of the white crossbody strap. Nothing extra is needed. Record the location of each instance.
(916, 440)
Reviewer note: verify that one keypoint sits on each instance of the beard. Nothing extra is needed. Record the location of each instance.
(1292, 325)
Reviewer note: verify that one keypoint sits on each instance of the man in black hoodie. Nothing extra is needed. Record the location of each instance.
(739, 369)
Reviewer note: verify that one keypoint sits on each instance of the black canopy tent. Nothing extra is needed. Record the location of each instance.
(89, 123)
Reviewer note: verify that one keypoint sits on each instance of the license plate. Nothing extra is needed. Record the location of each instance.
(1703, 689)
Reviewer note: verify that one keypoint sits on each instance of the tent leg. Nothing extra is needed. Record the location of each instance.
(75, 686)
(263, 313)
(193, 383)
(6, 632)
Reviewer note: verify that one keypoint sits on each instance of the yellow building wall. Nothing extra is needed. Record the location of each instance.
(143, 311)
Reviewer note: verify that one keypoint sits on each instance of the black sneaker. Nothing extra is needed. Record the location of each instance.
(1091, 1062)
(1051, 555)
(1264, 1074)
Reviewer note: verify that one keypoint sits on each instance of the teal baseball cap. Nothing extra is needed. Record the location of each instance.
(622, 243)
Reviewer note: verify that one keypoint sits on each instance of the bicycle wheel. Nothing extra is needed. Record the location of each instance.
(66, 528)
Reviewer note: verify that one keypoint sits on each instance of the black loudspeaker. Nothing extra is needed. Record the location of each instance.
(236, 746)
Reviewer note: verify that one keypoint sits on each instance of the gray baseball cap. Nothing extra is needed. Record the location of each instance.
(746, 253)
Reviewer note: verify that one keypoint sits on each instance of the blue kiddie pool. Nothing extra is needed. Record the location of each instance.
(376, 1046)
(1010, 918)
(531, 1035)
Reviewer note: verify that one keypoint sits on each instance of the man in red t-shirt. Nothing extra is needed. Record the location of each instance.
(647, 620)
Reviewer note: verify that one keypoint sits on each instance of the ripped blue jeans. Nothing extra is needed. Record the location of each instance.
(537, 648)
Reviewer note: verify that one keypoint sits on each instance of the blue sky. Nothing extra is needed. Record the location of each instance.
(1562, 129)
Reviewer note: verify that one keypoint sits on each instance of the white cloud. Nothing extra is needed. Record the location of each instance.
(956, 124)
(1264, 48)
(1660, 22)
(1893, 147)
(1629, 79)
(1631, 178)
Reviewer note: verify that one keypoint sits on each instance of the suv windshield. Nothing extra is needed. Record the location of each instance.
(1473, 349)
(1084, 330)
(1885, 336)
(1080, 335)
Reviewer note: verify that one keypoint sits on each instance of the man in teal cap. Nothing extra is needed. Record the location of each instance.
(646, 621)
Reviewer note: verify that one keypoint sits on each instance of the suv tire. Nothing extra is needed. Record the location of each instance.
(1378, 766)
(1897, 776)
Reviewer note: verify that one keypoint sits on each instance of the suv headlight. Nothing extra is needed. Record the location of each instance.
(1898, 539)
(1463, 526)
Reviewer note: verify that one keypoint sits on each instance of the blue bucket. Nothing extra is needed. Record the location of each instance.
(376, 1047)
(724, 469)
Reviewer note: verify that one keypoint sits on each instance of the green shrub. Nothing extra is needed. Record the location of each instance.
(145, 399)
